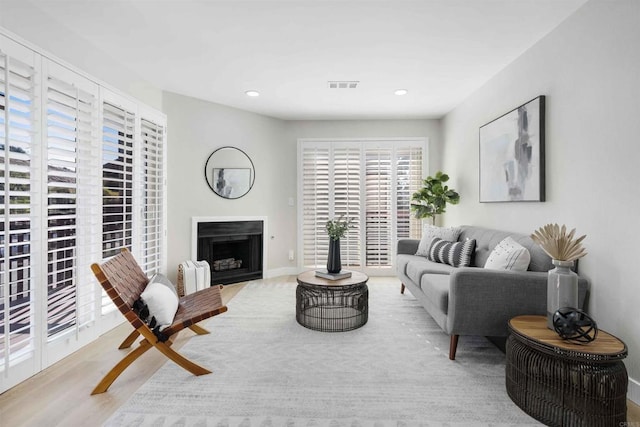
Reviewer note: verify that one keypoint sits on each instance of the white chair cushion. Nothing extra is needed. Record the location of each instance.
(162, 303)
(161, 278)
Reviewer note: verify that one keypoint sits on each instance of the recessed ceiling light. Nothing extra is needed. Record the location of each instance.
(401, 92)
(252, 93)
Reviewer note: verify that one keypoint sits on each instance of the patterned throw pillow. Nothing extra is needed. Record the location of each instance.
(508, 255)
(429, 232)
(457, 254)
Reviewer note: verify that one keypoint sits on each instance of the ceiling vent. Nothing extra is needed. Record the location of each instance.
(343, 84)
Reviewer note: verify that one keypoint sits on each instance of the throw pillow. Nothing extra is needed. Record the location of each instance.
(162, 304)
(161, 278)
(457, 254)
(429, 232)
(508, 255)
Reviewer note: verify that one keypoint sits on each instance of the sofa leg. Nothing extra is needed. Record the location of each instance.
(402, 288)
(453, 345)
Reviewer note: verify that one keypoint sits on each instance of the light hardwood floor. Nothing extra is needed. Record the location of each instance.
(60, 395)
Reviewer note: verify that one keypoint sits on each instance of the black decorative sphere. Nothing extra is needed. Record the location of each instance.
(575, 325)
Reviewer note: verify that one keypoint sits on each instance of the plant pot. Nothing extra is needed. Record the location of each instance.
(334, 264)
(562, 289)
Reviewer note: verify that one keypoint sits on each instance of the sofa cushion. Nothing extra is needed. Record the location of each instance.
(430, 232)
(508, 255)
(418, 266)
(436, 289)
(487, 239)
(457, 254)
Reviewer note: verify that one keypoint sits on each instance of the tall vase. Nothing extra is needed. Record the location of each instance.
(562, 289)
(333, 260)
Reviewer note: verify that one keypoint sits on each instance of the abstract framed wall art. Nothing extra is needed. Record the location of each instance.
(512, 155)
(231, 183)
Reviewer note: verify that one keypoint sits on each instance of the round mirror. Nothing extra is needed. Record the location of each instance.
(229, 172)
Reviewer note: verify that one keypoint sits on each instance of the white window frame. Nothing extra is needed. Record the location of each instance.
(363, 143)
(47, 350)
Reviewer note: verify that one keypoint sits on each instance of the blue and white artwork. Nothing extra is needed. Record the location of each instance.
(512, 155)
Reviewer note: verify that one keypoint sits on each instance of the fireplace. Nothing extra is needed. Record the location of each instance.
(233, 249)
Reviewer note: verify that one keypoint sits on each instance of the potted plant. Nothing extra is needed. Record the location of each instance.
(432, 198)
(336, 229)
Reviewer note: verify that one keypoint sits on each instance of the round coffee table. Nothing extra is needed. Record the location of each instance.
(332, 305)
(561, 383)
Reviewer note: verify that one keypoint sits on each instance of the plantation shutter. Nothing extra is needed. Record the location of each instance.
(67, 162)
(18, 204)
(379, 216)
(347, 201)
(73, 198)
(118, 130)
(153, 195)
(117, 174)
(409, 162)
(371, 183)
(315, 205)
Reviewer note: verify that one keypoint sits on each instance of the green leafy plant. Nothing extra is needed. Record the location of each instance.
(432, 198)
(337, 228)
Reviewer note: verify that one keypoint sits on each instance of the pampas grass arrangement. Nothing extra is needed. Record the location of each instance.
(559, 245)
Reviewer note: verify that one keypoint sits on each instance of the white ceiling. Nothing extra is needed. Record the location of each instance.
(439, 50)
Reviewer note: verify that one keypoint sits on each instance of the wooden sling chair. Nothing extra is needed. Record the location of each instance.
(123, 280)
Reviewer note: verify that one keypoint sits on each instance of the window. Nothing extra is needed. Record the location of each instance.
(81, 175)
(18, 126)
(368, 181)
(153, 193)
(71, 115)
(118, 129)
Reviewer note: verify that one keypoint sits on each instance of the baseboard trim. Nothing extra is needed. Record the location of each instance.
(284, 271)
(633, 391)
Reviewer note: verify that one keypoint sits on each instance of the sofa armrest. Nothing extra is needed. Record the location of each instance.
(481, 301)
(407, 246)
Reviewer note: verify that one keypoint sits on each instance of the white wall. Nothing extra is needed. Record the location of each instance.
(370, 129)
(589, 70)
(36, 28)
(195, 129)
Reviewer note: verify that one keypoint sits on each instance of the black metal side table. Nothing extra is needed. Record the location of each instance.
(332, 305)
(564, 384)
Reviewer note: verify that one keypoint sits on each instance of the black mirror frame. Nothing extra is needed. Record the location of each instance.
(253, 172)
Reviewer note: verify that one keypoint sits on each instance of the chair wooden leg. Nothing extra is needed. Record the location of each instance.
(120, 367)
(402, 288)
(453, 346)
(129, 340)
(199, 330)
(179, 359)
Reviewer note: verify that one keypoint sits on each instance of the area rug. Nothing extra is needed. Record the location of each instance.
(270, 371)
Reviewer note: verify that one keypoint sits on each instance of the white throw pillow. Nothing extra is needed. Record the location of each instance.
(508, 255)
(161, 278)
(430, 232)
(161, 302)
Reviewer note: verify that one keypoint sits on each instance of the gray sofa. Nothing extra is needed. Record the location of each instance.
(473, 300)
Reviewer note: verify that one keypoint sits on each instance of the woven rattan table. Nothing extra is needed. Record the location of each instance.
(332, 305)
(564, 384)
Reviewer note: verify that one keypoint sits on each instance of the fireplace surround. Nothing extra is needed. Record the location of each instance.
(233, 247)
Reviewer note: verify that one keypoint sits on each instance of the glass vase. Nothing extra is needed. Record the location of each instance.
(562, 289)
(334, 265)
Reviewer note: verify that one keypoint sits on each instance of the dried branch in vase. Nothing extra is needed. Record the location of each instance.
(559, 245)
